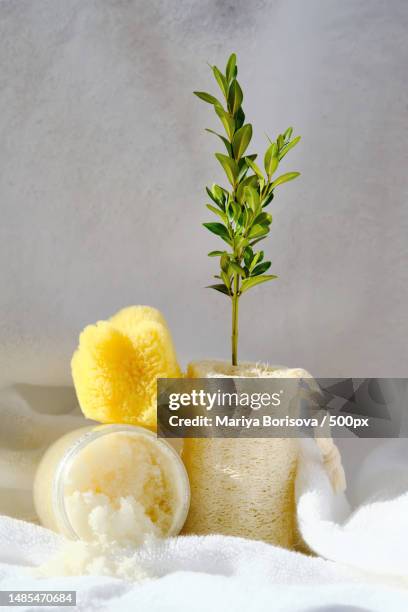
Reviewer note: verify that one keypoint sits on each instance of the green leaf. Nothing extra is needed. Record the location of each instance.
(224, 262)
(217, 196)
(235, 268)
(254, 167)
(235, 97)
(255, 280)
(254, 242)
(236, 210)
(229, 209)
(243, 167)
(263, 219)
(271, 160)
(221, 80)
(248, 256)
(241, 140)
(274, 149)
(273, 164)
(251, 181)
(288, 147)
(268, 199)
(261, 268)
(215, 253)
(220, 287)
(207, 97)
(230, 167)
(230, 68)
(284, 178)
(252, 198)
(240, 243)
(254, 261)
(288, 133)
(239, 118)
(219, 192)
(218, 212)
(219, 230)
(226, 279)
(227, 121)
(257, 231)
(224, 140)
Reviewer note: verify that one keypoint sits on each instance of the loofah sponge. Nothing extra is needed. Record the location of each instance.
(117, 363)
(242, 487)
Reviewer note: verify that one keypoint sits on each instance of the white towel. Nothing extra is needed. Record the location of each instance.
(372, 532)
(202, 573)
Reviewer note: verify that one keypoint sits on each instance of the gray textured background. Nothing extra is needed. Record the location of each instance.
(103, 163)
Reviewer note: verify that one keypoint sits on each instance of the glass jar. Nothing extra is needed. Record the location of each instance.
(115, 482)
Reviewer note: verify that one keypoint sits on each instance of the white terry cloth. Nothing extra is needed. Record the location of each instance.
(368, 528)
(201, 573)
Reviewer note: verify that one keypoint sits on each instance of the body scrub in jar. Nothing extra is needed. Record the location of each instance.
(112, 483)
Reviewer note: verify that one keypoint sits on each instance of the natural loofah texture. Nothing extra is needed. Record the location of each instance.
(242, 487)
(117, 363)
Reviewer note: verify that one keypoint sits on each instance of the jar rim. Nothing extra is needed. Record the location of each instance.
(93, 433)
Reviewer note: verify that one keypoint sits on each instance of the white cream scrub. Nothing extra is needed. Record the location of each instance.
(112, 483)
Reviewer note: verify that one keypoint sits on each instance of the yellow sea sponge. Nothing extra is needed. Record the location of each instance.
(128, 319)
(117, 363)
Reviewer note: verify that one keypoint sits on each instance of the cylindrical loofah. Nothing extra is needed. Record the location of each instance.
(242, 487)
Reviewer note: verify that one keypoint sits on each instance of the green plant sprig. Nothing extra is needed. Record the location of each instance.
(240, 209)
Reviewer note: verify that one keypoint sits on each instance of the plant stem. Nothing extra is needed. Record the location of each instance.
(234, 336)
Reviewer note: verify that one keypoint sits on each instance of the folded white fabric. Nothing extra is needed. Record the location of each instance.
(200, 574)
(371, 532)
